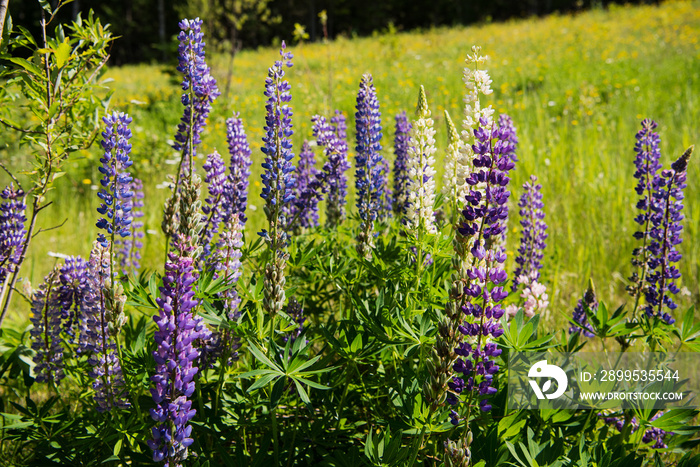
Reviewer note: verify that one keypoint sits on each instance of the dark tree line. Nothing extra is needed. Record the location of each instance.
(148, 27)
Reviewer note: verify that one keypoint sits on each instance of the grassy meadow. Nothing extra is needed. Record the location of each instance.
(576, 86)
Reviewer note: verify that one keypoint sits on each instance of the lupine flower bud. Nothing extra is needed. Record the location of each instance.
(369, 166)
(588, 302)
(457, 168)
(46, 333)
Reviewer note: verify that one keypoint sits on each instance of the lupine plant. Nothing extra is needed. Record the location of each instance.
(340, 335)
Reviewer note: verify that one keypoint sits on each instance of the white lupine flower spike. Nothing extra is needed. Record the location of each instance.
(457, 168)
(420, 214)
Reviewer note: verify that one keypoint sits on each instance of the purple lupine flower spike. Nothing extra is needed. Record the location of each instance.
(177, 329)
(128, 250)
(217, 205)
(332, 137)
(666, 217)
(369, 166)
(303, 213)
(653, 434)
(401, 179)
(116, 181)
(98, 331)
(647, 164)
(588, 302)
(509, 132)
(200, 89)
(12, 231)
(75, 297)
(533, 234)
(278, 178)
(239, 168)
(46, 333)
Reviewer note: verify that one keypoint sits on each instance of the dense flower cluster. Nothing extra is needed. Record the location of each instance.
(296, 312)
(647, 164)
(116, 182)
(464, 344)
(217, 204)
(589, 303)
(457, 168)
(534, 299)
(128, 250)
(421, 174)
(333, 138)
(12, 230)
(402, 139)
(278, 178)
(178, 327)
(666, 228)
(304, 212)
(199, 88)
(533, 233)
(239, 168)
(509, 132)
(369, 182)
(46, 332)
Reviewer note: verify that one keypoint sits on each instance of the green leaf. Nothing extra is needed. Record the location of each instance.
(62, 54)
(264, 381)
(29, 67)
(262, 358)
(118, 446)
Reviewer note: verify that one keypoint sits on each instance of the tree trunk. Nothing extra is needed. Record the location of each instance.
(3, 13)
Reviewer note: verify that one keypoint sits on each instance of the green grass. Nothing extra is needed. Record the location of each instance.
(576, 87)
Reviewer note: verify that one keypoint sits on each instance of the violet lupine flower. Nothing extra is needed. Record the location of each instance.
(666, 217)
(385, 206)
(217, 205)
(588, 302)
(239, 168)
(75, 297)
(533, 234)
(199, 88)
(278, 178)
(647, 167)
(178, 328)
(402, 139)
(482, 224)
(369, 166)
(46, 333)
(652, 434)
(332, 137)
(116, 182)
(509, 132)
(98, 332)
(128, 250)
(303, 214)
(12, 230)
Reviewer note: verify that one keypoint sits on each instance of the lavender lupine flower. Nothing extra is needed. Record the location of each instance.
(99, 328)
(652, 434)
(239, 168)
(305, 214)
(278, 178)
(178, 328)
(421, 174)
(647, 167)
(588, 302)
(199, 88)
(510, 132)
(457, 168)
(217, 205)
(12, 231)
(402, 139)
(116, 182)
(46, 340)
(332, 137)
(533, 233)
(385, 206)
(666, 217)
(128, 250)
(534, 299)
(74, 294)
(369, 165)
